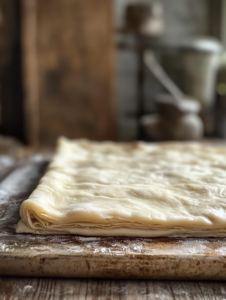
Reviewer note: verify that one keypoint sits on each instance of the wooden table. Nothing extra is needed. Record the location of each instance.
(64, 289)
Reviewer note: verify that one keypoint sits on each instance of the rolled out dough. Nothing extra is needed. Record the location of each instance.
(148, 190)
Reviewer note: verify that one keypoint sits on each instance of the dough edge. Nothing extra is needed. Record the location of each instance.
(21, 227)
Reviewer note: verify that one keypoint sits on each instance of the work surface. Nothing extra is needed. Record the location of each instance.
(95, 257)
(63, 255)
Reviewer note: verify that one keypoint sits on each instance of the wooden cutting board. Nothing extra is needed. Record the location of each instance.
(99, 257)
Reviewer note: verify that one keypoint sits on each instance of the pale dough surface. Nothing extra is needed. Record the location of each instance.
(148, 190)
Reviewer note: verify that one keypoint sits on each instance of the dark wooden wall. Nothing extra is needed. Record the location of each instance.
(68, 62)
(11, 94)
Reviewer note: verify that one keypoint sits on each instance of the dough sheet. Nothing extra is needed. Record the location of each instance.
(138, 189)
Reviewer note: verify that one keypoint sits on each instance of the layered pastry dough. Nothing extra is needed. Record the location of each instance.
(148, 190)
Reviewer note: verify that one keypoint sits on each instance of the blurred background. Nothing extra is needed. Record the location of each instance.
(119, 70)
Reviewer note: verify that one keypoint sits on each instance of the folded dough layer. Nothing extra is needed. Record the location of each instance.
(109, 189)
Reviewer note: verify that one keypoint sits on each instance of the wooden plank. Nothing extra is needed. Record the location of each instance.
(83, 257)
(96, 257)
(70, 89)
(30, 70)
(35, 288)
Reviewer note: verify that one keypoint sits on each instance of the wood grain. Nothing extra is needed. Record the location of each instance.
(69, 59)
(30, 70)
(43, 288)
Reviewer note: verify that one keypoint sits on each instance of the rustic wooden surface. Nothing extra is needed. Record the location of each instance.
(15, 288)
(68, 66)
(94, 257)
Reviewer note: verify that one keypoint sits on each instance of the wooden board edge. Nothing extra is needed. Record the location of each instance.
(162, 268)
